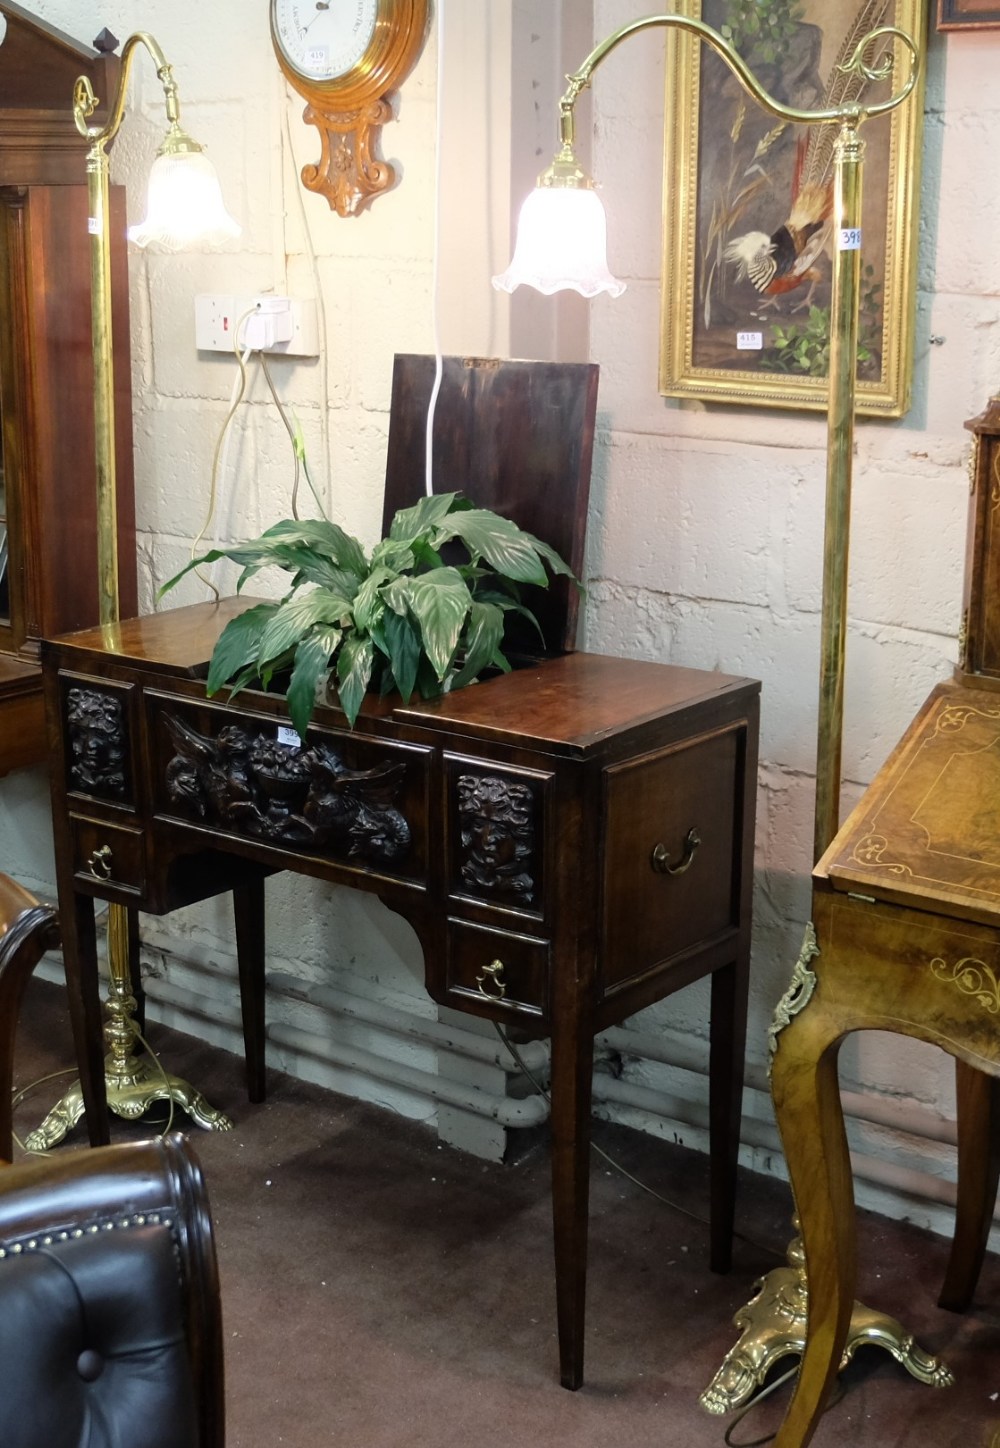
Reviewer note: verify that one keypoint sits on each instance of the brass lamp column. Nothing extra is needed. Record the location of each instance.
(550, 256)
(848, 159)
(133, 1082)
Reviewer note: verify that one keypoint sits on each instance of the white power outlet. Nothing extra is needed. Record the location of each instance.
(282, 325)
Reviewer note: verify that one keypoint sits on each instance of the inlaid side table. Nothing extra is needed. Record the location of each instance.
(905, 937)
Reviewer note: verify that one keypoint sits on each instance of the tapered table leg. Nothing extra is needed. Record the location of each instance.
(728, 1043)
(248, 911)
(79, 938)
(572, 1068)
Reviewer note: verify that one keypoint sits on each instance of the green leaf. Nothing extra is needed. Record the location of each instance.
(238, 645)
(426, 556)
(409, 523)
(480, 641)
(500, 541)
(368, 600)
(312, 663)
(240, 681)
(402, 641)
(440, 602)
(552, 558)
(313, 567)
(295, 617)
(354, 670)
(397, 595)
(277, 665)
(393, 555)
(212, 556)
(327, 538)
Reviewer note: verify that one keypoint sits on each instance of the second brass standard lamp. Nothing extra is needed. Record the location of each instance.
(561, 244)
(184, 206)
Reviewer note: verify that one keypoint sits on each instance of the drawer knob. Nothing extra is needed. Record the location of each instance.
(661, 855)
(99, 863)
(490, 983)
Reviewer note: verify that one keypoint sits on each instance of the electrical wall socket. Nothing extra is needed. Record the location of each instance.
(216, 317)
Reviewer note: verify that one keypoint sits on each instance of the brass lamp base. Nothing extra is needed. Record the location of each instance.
(133, 1082)
(773, 1326)
(129, 1096)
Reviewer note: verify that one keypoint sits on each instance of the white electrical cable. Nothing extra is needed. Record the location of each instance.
(436, 283)
(324, 361)
(221, 454)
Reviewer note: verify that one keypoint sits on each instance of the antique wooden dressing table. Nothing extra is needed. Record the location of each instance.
(906, 919)
(571, 841)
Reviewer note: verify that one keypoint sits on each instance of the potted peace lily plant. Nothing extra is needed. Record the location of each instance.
(400, 618)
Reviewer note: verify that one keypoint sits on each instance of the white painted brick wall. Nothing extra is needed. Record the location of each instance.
(706, 536)
(705, 533)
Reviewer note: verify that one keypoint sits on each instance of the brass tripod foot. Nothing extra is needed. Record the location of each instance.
(773, 1326)
(129, 1097)
(132, 1082)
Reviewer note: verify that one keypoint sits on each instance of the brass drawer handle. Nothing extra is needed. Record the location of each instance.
(492, 976)
(99, 863)
(661, 855)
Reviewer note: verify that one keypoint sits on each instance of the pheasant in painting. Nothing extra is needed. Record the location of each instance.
(786, 260)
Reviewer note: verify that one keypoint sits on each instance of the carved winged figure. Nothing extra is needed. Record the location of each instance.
(255, 786)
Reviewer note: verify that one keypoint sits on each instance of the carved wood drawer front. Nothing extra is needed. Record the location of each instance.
(108, 858)
(496, 834)
(672, 851)
(500, 973)
(97, 732)
(354, 801)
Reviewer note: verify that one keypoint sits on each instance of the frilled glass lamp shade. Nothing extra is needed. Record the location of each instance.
(562, 243)
(184, 202)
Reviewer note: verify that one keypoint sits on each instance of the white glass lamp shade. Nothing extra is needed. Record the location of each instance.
(184, 203)
(562, 244)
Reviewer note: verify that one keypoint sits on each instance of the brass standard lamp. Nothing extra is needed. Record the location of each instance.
(561, 244)
(184, 205)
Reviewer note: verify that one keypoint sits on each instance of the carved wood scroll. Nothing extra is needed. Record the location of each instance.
(348, 173)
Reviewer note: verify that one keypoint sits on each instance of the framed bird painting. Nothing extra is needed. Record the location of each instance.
(748, 205)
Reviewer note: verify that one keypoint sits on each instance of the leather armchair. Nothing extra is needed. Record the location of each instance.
(27, 930)
(110, 1317)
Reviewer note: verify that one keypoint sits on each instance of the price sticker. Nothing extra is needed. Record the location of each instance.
(749, 341)
(94, 225)
(289, 736)
(849, 239)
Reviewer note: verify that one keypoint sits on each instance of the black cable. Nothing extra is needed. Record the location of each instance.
(598, 1151)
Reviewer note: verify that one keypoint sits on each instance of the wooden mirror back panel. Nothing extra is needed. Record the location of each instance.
(516, 437)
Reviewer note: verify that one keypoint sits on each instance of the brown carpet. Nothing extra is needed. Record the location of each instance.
(381, 1291)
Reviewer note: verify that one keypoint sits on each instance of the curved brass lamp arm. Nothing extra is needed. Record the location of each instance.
(85, 102)
(853, 111)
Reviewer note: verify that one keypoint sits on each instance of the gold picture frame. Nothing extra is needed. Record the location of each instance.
(968, 15)
(730, 173)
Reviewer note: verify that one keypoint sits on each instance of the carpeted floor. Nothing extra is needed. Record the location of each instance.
(381, 1291)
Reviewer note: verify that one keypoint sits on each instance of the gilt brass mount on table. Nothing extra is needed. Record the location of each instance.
(773, 1325)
